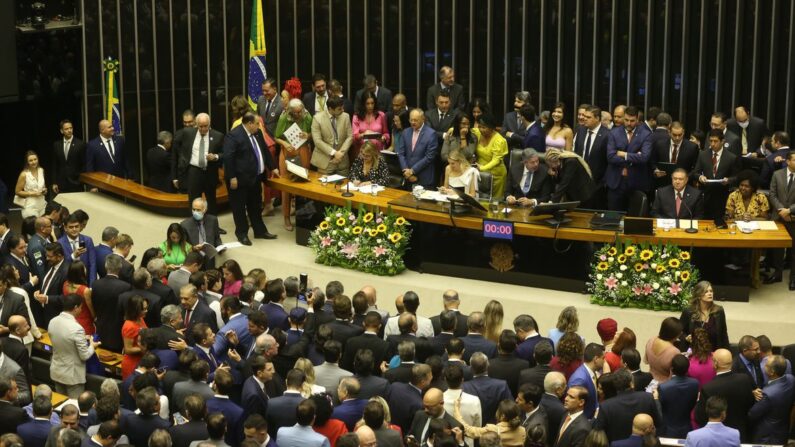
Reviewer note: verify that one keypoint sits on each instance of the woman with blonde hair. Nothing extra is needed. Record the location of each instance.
(568, 321)
(309, 387)
(493, 315)
(369, 167)
(509, 425)
(387, 415)
(31, 188)
(571, 177)
(460, 174)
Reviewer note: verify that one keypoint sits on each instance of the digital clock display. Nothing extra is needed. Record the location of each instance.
(498, 229)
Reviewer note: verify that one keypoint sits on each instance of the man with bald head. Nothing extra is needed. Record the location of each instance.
(618, 115)
(432, 408)
(417, 152)
(642, 425)
(372, 300)
(366, 436)
(202, 227)
(196, 159)
(474, 341)
(14, 347)
(105, 153)
(451, 301)
(397, 119)
(736, 388)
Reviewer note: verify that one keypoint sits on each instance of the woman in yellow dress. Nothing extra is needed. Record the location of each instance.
(491, 150)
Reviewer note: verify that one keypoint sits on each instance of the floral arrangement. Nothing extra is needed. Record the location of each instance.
(372, 242)
(646, 276)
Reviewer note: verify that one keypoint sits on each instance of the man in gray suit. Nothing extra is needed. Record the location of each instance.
(331, 132)
(782, 201)
(70, 349)
(447, 85)
(199, 372)
(329, 373)
(9, 369)
(181, 276)
(269, 105)
(200, 228)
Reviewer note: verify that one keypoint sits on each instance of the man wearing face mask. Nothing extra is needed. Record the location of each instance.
(202, 227)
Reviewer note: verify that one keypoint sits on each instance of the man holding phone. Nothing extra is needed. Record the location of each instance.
(77, 246)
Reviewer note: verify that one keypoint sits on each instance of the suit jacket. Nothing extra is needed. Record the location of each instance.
(89, 258)
(277, 316)
(369, 341)
(101, 252)
(105, 296)
(685, 158)
(13, 304)
(737, 389)
(152, 318)
(164, 335)
(534, 375)
(526, 349)
(329, 375)
(440, 126)
(211, 234)
(768, 168)
(540, 185)
(477, 343)
(404, 400)
(281, 411)
(665, 203)
(159, 169)
(597, 157)
(234, 418)
(572, 182)
(11, 416)
(309, 101)
(715, 194)
(455, 91)
(182, 390)
(401, 373)
(508, 368)
(555, 414)
(183, 435)
(177, 279)
(69, 350)
(616, 413)
(539, 417)
(770, 416)
(422, 347)
(270, 117)
(98, 158)
(66, 170)
(779, 196)
(15, 350)
(183, 148)
(714, 434)
(11, 369)
(581, 377)
(164, 292)
(678, 397)
(139, 427)
(535, 137)
(54, 291)
(253, 398)
(421, 418)
(460, 325)
(422, 158)
(239, 324)
(440, 341)
(575, 433)
(632, 441)
(510, 123)
(641, 379)
(755, 132)
(349, 411)
(35, 432)
(239, 159)
(323, 138)
(491, 392)
(383, 97)
(370, 386)
(637, 161)
(343, 331)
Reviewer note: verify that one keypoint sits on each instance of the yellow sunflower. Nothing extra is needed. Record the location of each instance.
(630, 250)
(673, 263)
(685, 255)
(381, 228)
(612, 251)
(646, 255)
(395, 237)
(622, 259)
(357, 230)
(341, 222)
(638, 267)
(601, 266)
(684, 276)
(372, 232)
(324, 225)
(660, 268)
(400, 221)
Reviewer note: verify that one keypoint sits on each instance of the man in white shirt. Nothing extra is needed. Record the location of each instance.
(411, 301)
(470, 404)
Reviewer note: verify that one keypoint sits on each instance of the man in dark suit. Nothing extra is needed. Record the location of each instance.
(737, 389)
(474, 341)
(254, 399)
(447, 320)
(18, 258)
(526, 329)
(451, 301)
(11, 415)
(661, 130)
(730, 140)
(77, 246)
(779, 144)
(554, 389)
(630, 359)
(433, 408)
(157, 269)
(591, 143)
(528, 183)
(751, 130)
(49, 298)
(747, 362)
(674, 149)
(202, 227)
(447, 85)
(528, 398)
(140, 426)
(405, 399)
(534, 137)
(719, 164)
(642, 425)
(440, 117)
(315, 101)
(196, 157)
(105, 153)
(342, 328)
(220, 403)
(383, 96)
(35, 432)
(490, 391)
(628, 154)
(417, 152)
(13, 347)
(269, 105)
(407, 324)
(5, 233)
(369, 385)
(575, 427)
(402, 372)
(678, 200)
(281, 410)
(367, 340)
(105, 296)
(351, 406)
(104, 248)
(194, 410)
(513, 126)
(770, 414)
(782, 202)
(159, 163)
(542, 355)
(69, 160)
(616, 413)
(677, 398)
(507, 366)
(245, 160)
(170, 323)
(585, 375)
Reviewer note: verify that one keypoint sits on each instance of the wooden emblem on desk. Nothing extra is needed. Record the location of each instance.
(501, 257)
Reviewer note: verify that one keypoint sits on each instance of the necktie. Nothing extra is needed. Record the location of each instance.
(789, 183)
(441, 116)
(678, 202)
(187, 317)
(65, 150)
(257, 155)
(587, 149)
(527, 182)
(518, 122)
(714, 164)
(565, 425)
(111, 150)
(425, 431)
(629, 136)
(414, 139)
(202, 155)
(75, 245)
(745, 141)
(268, 107)
(674, 153)
(47, 280)
(321, 100)
(760, 379)
(212, 359)
(202, 234)
(334, 130)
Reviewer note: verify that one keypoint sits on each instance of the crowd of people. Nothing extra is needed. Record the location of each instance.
(215, 356)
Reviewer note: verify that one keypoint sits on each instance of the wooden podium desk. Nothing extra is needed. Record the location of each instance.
(111, 362)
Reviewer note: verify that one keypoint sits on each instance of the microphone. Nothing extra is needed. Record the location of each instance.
(690, 230)
(347, 192)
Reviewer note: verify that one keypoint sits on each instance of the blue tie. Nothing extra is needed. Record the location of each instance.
(528, 180)
(260, 166)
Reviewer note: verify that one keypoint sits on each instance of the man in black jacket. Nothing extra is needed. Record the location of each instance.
(69, 160)
(736, 388)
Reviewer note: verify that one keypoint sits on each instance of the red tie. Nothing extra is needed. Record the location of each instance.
(187, 317)
(678, 202)
(714, 164)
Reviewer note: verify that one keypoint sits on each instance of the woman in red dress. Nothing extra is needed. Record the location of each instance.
(130, 332)
(77, 284)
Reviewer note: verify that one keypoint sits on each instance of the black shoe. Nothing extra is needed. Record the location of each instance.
(774, 278)
(245, 240)
(265, 235)
(221, 231)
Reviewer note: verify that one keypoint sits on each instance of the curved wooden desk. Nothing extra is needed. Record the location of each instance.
(145, 195)
(578, 230)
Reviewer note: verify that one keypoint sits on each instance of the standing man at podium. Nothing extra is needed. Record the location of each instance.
(105, 153)
(198, 154)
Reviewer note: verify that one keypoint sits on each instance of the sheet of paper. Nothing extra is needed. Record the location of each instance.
(767, 225)
(293, 136)
(368, 189)
(685, 223)
(666, 223)
(746, 226)
(715, 180)
(434, 195)
(228, 245)
(295, 169)
(332, 178)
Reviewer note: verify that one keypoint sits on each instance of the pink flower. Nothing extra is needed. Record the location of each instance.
(611, 283)
(674, 289)
(647, 289)
(379, 220)
(603, 258)
(379, 251)
(637, 290)
(645, 266)
(350, 250)
(325, 242)
(351, 217)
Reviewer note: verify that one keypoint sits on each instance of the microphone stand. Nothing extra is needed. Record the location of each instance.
(690, 230)
(347, 192)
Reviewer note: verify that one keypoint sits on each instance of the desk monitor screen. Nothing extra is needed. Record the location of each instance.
(469, 200)
(557, 210)
(639, 226)
(392, 162)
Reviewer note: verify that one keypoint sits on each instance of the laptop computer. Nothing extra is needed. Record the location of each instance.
(639, 226)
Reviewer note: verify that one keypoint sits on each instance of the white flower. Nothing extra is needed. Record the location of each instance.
(643, 276)
(388, 263)
(664, 255)
(339, 214)
(328, 219)
(677, 273)
(347, 230)
(623, 267)
(619, 275)
(655, 285)
(611, 259)
(599, 276)
(623, 283)
(654, 265)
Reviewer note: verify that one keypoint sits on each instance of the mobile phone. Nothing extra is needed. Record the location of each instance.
(81, 244)
(301, 297)
(303, 282)
(132, 258)
(161, 370)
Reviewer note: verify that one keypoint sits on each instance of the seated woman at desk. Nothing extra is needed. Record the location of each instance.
(460, 174)
(747, 203)
(369, 167)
